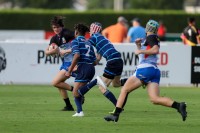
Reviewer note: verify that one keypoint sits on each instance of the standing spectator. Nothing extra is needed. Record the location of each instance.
(136, 31)
(162, 31)
(116, 33)
(190, 35)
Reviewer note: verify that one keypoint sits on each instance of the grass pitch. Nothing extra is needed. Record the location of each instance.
(36, 109)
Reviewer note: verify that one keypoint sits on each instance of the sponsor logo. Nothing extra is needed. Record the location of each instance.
(2, 59)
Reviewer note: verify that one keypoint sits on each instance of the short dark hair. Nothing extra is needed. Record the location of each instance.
(191, 20)
(81, 28)
(136, 19)
(57, 20)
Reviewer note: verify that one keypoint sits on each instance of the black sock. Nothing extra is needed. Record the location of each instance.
(175, 105)
(67, 102)
(117, 111)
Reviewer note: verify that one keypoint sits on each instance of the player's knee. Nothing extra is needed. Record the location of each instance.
(75, 94)
(103, 90)
(116, 85)
(124, 91)
(54, 83)
(154, 100)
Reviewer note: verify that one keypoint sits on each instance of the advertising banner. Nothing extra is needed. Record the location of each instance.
(195, 65)
(21, 34)
(25, 62)
(173, 62)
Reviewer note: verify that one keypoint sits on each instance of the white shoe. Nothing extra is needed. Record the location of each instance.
(78, 114)
(101, 82)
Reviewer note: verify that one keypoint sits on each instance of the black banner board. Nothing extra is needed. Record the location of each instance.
(195, 65)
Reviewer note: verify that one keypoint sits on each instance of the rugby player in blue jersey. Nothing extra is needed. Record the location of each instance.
(62, 39)
(147, 73)
(84, 57)
(114, 66)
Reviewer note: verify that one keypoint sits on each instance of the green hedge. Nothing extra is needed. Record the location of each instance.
(38, 19)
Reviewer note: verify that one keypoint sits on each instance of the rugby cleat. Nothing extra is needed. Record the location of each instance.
(68, 108)
(112, 112)
(111, 118)
(182, 110)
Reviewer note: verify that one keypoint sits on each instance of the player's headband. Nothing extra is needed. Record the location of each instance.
(152, 26)
(95, 27)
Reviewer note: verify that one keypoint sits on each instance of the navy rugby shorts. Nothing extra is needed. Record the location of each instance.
(113, 68)
(85, 73)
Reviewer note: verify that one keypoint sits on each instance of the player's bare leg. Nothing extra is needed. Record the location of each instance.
(116, 81)
(154, 96)
(131, 84)
(59, 82)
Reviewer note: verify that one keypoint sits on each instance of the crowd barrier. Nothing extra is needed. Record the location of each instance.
(26, 63)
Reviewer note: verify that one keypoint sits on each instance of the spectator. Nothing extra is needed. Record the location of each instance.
(116, 33)
(162, 31)
(136, 31)
(190, 35)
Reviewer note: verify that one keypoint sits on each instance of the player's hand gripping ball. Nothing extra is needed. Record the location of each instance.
(53, 47)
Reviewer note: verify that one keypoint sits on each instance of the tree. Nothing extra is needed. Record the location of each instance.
(154, 4)
(51, 4)
(137, 4)
(100, 4)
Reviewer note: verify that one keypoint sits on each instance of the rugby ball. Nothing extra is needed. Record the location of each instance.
(51, 47)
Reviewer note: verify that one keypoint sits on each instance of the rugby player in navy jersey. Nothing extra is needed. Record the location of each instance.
(84, 57)
(114, 66)
(62, 40)
(147, 73)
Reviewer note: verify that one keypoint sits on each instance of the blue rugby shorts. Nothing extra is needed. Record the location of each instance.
(148, 74)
